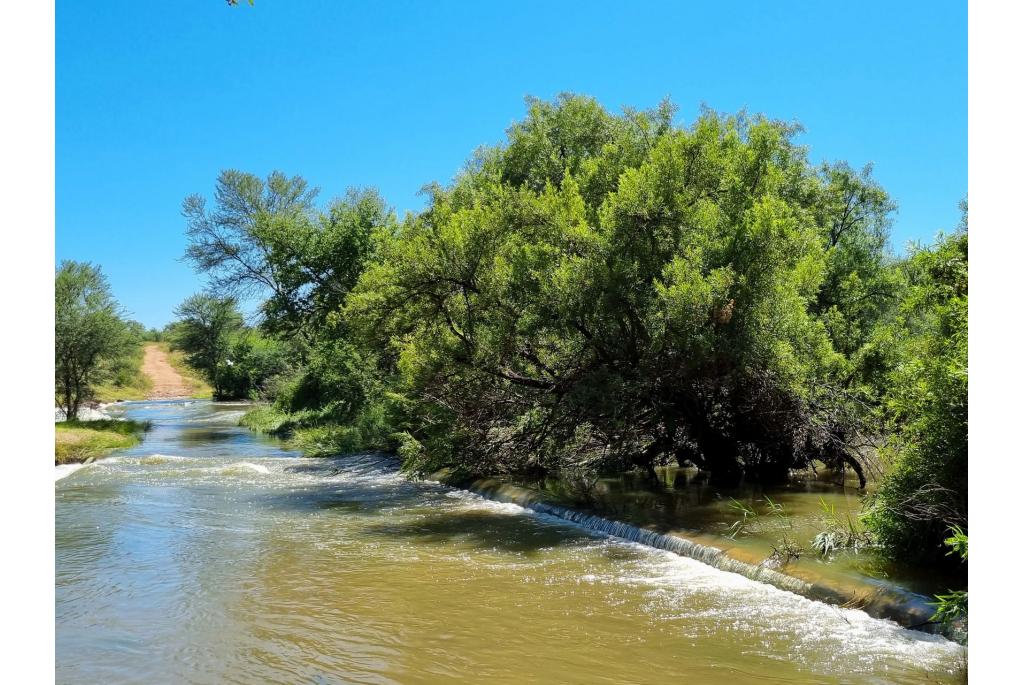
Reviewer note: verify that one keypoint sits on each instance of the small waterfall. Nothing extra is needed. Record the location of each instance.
(907, 609)
(84, 414)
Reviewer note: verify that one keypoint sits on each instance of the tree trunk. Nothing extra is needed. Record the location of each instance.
(857, 468)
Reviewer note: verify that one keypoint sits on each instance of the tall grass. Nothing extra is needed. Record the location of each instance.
(840, 532)
(315, 433)
(126, 380)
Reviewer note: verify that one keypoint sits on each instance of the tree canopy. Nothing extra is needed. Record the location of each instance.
(90, 333)
(268, 237)
(617, 288)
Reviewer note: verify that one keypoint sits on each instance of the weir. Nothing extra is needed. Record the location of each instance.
(906, 608)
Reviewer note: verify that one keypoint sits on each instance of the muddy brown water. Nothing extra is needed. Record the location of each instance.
(209, 554)
(680, 501)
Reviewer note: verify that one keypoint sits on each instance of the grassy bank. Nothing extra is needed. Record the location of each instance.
(198, 388)
(76, 441)
(112, 392)
(315, 434)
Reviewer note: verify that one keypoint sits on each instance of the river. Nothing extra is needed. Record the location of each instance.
(210, 554)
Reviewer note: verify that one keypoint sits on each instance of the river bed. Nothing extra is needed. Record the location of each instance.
(209, 554)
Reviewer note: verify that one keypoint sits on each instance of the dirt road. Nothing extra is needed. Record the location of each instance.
(167, 383)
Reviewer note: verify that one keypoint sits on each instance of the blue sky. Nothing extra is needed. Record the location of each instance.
(155, 98)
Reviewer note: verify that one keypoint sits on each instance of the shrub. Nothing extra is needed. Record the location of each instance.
(924, 492)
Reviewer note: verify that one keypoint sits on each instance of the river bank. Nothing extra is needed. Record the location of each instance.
(160, 375)
(77, 441)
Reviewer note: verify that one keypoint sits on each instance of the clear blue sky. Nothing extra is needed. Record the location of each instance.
(155, 98)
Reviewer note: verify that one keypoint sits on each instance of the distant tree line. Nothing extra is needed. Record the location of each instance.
(237, 360)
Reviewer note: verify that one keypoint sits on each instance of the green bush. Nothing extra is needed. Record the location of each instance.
(334, 375)
(924, 492)
(252, 364)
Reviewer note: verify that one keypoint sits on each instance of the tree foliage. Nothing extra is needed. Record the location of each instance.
(267, 237)
(618, 289)
(925, 492)
(91, 334)
(239, 362)
(204, 331)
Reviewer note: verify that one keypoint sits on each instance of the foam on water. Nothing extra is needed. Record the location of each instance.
(668, 579)
(739, 601)
(65, 470)
(155, 459)
(245, 466)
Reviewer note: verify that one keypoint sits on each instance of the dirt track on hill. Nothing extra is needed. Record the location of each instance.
(167, 383)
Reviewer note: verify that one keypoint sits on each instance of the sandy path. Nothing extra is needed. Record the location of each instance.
(167, 383)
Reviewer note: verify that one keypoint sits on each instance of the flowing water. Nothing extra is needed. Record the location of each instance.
(678, 501)
(209, 554)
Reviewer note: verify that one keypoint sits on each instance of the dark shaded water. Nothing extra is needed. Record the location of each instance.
(679, 501)
(209, 554)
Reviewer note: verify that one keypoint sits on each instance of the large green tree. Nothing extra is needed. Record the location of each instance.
(90, 333)
(269, 238)
(618, 289)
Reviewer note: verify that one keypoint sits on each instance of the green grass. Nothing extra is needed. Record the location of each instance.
(128, 382)
(137, 389)
(327, 441)
(200, 389)
(311, 431)
(303, 430)
(76, 441)
(267, 419)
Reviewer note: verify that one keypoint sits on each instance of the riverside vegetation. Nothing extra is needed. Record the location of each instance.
(77, 441)
(97, 358)
(601, 292)
(98, 351)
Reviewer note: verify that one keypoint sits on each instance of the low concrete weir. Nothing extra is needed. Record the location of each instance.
(908, 609)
